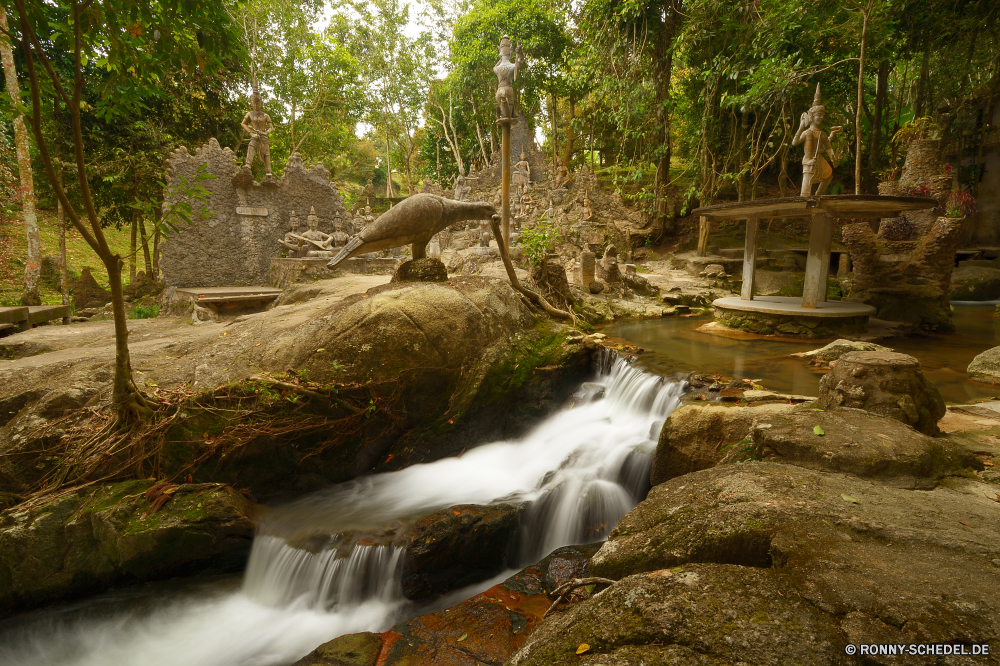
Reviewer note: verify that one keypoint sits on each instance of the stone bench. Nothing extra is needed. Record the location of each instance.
(24, 317)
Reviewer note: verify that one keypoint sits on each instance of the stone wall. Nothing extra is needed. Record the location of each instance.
(522, 137)
(235, 245)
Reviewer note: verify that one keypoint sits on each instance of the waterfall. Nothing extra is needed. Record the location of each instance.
(578, 472)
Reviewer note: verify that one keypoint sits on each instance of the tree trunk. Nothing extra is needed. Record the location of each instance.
(555, 130)
(881, 98)
(145, 249)
(865, 13)
(479, 132)
(569, 133)
(63, 261)
(133, 247)
(664, 66)
(388, 170)
(33, 262)
(923, 83)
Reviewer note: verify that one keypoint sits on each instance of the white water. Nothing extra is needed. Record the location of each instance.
(582, 470)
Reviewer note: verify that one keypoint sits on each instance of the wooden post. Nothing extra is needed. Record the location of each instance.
(818, 261)
(703, 227)
(749, 259)
(505, 179)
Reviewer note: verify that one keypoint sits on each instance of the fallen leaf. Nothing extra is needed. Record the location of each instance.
(257, 345)
(583, 648)
(462, 638)
(848, 498)
(964, 523)
(988, 464)
(819, 431)
(391, 456)
(451, 421)
(320, 349)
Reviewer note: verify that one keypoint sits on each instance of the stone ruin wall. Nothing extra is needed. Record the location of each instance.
(235, 245)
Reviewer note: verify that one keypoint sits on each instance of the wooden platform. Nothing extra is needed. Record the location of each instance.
(792, 305)
(24, 317)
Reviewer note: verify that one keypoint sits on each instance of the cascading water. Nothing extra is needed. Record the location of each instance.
(580, 471)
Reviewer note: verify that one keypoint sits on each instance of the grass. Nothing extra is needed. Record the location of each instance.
(78, 255)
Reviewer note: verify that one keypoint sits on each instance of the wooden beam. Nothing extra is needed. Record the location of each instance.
(703, 228)
(749, 259)
(814, 284)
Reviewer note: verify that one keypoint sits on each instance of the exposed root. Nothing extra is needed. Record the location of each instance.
(564, 589)
(534, 297)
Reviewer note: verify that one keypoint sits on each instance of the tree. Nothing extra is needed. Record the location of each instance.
(33, 265)
(138, 44)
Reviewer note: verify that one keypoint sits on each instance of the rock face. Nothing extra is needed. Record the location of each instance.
(234, 246)
(765, 563)
(351, 650)
(421, 270)
(87, 293)
(907, 281)
(884, 383)
(985, 367)
(975, 283)
(109, 534)
(699, 435)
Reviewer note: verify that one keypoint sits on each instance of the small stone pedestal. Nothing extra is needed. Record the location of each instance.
(884, 383)
(421, 270)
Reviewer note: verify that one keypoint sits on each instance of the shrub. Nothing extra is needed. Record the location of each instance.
(959, 204)
(145, 312)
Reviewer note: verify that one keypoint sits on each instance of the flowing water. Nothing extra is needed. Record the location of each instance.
(676, 346)
(580, 471)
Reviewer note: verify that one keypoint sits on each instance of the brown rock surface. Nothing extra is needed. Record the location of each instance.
(884, 383)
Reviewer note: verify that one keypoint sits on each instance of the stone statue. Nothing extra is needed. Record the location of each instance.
(369, 191)
(320, 241)
(586, 213)
(291, 241)
(258, 124)
(506, 72)
(413, 221)
(814, 167)
(522, 174)
(368, 218)
(484, 233)
(339, 237)
(562, 174)
(462, 190)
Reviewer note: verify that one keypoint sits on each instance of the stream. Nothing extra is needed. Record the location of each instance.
(674, 345)
(582, 467)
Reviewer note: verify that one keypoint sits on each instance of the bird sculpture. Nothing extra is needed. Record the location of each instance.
(413, 221)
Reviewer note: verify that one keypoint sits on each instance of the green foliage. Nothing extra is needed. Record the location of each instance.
(918, 128)
(145, 312)
(537, 241)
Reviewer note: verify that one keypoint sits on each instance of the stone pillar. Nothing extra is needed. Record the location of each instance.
(588, 262)
(844, 266)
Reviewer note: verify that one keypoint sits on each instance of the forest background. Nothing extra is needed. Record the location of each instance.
(674, 103)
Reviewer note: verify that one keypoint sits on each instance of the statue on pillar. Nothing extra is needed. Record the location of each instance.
(258, 124)
(815, 168)
(506, 72)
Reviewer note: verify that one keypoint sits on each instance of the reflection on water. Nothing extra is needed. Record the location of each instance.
(675, 345)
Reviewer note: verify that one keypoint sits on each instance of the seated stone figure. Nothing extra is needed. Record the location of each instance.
(291, 242)
(321, 242)
(340, 237)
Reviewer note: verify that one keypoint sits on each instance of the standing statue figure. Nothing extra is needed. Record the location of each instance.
(291, 241)
(522, 174)
(258, 124)
(462, 190)
(506, 72)
(815, 168)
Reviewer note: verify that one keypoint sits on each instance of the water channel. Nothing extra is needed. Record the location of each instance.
(674, 345)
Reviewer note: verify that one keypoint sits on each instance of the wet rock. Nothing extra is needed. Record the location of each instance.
(457, 547)
(697, 436)
(14, 349)
(975, 283)
(755, 395)
(838, 348)
(351, 650)
(854, 442)
(421, 270)
(714, 271)
(985, 367)
(109, 534)
(491, 626)
(884, 383)
(765, 563)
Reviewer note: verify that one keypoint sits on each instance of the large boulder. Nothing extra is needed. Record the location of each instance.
(884, 383)
(699, 435)
(838, 348)
(765, 563)
(975, 283)
(421, 270)
(111, 534)
(351, 650)
(985, 367)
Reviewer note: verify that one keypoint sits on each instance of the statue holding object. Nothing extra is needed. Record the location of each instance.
(815, 168)
(258, 124)
(506, 72)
